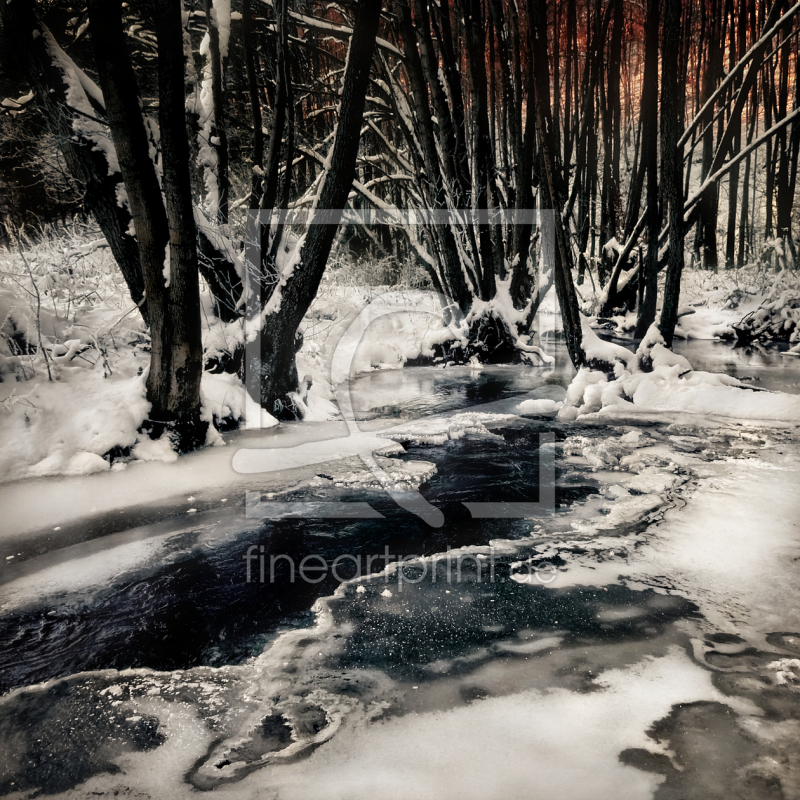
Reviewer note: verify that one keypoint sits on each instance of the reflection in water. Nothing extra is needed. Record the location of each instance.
(764, 368)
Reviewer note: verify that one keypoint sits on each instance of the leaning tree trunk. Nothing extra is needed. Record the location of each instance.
(272, 365)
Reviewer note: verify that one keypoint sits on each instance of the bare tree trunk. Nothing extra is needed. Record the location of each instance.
(250, 60)
(279, 110)
(647, 309)
(521, 283)
(173, 383)
(453, 276)
(274, 364)
(484, 178)
(785, 190)
(709, 203)
(671, 165)
(565, 289)
(614, 100)
(218, 130)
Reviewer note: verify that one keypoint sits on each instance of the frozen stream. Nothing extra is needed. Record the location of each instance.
(642, 640)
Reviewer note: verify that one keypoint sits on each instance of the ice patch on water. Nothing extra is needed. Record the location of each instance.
(438, 430)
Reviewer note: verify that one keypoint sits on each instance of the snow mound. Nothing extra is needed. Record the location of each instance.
(540, 407)
(223, 395)
(160, 449)
(656, 379)
(65, 426)
(86, 464)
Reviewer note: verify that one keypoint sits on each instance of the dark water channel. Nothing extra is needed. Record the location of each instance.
(198, 608)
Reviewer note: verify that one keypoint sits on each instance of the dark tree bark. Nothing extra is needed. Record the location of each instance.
(783, 143)
(265, 271)
(706, 239)
(737, 39)
(565, 289)
(174, 379)
(121, 93)
(671, 165)
(453, 276)
(611, 123)
(250, 60)
(218, 130)
(452, 71)
(273, 364)
(483, 170)
(279, 111)
(615, 101)
(521, 283)
(173, 383)
(220, 273)
(647, 309)
(452, 156)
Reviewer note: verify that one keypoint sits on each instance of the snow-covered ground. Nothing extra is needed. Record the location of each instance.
(655, 378)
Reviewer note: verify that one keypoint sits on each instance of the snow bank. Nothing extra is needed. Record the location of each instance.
(65, 426)
(398, 326)
(223, 395)
(777, 318)
(656, 379)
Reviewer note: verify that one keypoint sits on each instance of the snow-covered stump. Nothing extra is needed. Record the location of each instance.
(488, 335)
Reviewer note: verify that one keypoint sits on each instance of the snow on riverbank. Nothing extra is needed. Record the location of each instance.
(712, 302)
(656, 379)
(95, 402)
(85, 420)
(731, 545)
(65, 427)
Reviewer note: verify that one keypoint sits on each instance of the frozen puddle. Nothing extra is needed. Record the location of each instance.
(644, 642)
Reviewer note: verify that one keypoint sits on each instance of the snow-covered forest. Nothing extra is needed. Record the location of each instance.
(512, 288)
